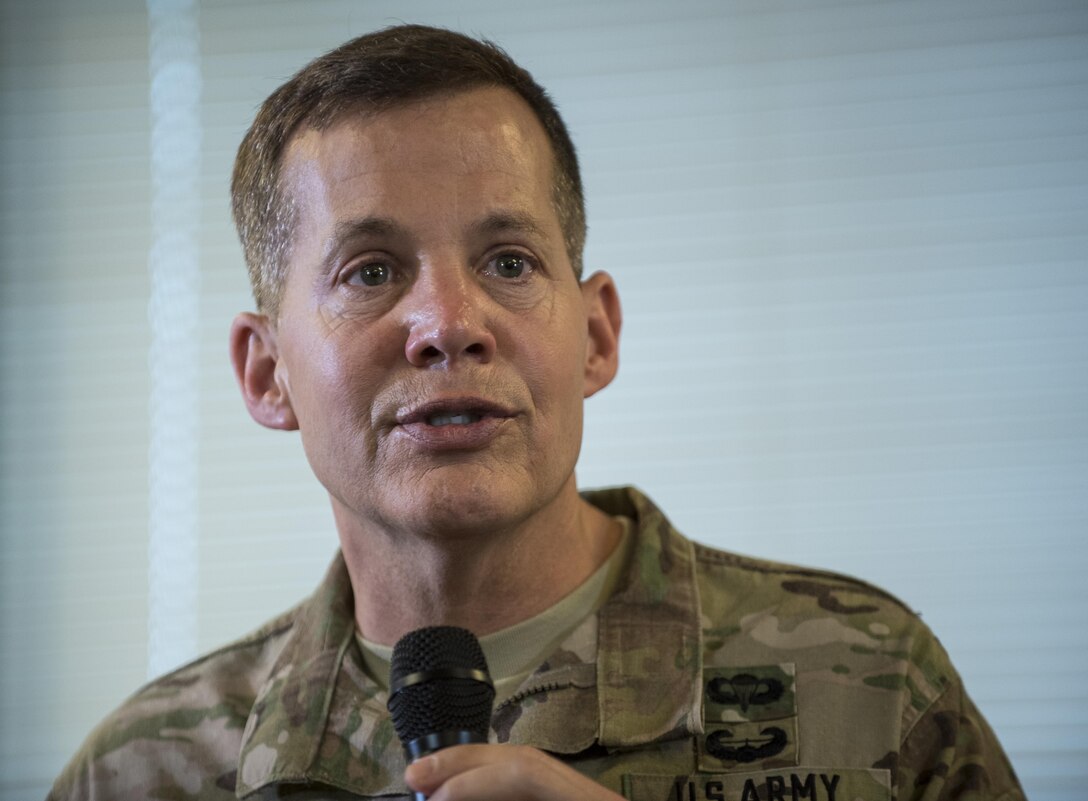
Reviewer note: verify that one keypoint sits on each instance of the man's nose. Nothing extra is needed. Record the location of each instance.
(447, 320)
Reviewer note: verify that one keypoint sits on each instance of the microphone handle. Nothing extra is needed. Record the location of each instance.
(436, 741)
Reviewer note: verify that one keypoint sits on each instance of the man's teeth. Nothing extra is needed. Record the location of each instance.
(452, 419)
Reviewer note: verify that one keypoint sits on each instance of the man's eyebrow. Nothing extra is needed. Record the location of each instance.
(346, 230)
(515, 221)
(365, 226)
(383, 227)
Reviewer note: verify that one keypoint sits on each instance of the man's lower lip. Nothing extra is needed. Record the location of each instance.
(454, 437)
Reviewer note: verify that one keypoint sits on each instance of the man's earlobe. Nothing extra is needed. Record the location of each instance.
(603, 315)
(255, 358)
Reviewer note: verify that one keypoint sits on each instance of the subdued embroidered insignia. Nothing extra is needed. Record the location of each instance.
(724, 745)
(749, 717)
(758, 692)
(744, 689)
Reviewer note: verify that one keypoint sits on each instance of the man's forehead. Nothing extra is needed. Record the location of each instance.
(475, 156)
(483, 126)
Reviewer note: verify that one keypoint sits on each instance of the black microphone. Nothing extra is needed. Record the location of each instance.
(440, 693)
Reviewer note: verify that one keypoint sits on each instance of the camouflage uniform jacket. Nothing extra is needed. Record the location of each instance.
(706, 676)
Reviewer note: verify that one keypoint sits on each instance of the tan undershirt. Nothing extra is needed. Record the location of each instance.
(514, 652)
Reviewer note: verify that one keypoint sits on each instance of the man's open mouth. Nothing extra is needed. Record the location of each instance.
(459, 419)
(454, 423)
(453, 411)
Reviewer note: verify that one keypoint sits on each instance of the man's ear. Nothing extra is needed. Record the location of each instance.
(255, 357)
(603, 315)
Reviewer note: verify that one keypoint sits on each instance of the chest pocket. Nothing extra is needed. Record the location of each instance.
(749, 718)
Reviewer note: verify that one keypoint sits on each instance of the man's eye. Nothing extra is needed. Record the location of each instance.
(510, 265)
(374, 274)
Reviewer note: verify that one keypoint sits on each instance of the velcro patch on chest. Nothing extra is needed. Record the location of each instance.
(749, 717)
(792, 784)
(748, 694)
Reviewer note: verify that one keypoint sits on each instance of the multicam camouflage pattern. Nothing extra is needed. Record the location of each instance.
(706, 676)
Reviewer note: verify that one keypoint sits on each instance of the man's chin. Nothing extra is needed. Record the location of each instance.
(457, 509)
(461, 512)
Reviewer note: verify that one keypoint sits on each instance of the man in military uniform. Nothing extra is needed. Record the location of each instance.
(411, 213)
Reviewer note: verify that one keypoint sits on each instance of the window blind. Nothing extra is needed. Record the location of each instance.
(849, 239)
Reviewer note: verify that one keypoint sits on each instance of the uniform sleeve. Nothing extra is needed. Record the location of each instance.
(952, 753)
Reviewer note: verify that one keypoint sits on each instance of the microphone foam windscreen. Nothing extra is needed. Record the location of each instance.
(439, 697)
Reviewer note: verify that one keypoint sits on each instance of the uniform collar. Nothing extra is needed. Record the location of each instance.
(311, 708)
(649, 683)
(319, 719)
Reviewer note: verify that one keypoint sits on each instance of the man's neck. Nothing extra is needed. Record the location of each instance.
(483, 581)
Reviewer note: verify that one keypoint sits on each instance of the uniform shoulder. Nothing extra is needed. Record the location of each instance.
(819, 583)
(200, 708)
(734, 584)
(854, 641)
(232, 669)
(802, 611)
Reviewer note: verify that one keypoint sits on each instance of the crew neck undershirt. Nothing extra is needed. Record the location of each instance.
(516, 651)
